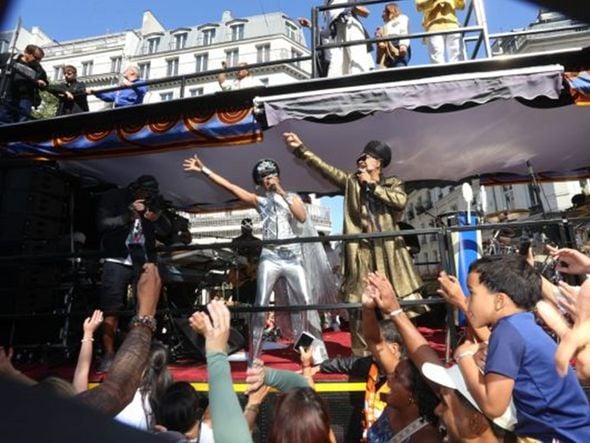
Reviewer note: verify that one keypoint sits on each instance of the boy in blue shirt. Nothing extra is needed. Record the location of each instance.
(520, 361)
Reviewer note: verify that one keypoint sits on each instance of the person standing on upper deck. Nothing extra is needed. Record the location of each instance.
(345, 26)
(441, 15)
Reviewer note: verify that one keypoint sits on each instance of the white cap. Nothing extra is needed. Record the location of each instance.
(453, 379)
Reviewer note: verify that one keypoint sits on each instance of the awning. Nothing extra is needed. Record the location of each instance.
(434, 93)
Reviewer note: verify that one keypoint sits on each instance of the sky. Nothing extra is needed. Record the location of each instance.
(65, 20)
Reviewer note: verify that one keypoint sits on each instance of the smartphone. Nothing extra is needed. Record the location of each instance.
(305, 340)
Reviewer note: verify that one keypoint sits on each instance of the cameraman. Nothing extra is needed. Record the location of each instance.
(129, 221)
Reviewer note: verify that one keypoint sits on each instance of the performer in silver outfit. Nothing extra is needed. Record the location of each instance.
(281, 213)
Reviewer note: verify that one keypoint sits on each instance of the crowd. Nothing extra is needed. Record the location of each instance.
(23, 76)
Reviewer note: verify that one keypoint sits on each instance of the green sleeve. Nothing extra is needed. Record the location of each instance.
(284, 380)
(229, 424)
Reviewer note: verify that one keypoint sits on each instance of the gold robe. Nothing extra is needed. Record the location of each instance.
(388, 256)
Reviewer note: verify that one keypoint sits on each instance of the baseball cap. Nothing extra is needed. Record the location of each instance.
(452, 378)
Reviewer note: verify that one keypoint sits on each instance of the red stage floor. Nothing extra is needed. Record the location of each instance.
(337, 343)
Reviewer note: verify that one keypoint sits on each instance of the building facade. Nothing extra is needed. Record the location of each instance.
(188, 51)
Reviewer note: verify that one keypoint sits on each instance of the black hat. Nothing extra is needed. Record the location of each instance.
(264, 168)
(378, 150)
(147, 182)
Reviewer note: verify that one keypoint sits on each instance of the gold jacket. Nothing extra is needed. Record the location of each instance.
(389, 255)
(439, 14)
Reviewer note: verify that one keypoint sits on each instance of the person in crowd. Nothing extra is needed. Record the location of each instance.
(154, 381)
(129, 219)
(300, 414)
(441, 15)
(243, 79)
(457, 410)
(21, 80)
(90, 325)
(125, 374)
(179, 410)
(345, 26)
(372, 203)
(409, 411)
(117, 390)
(393, 53)
(133, 94)
(280, 212)
(71, 94)
(243, 274)
(520, 357)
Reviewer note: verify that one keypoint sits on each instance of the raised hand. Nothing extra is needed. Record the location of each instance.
(214, 329)
(255, 376)
(386, 299)
(292, 140)
(92, 323)
(450, 290)
(575, 342)
(571, 261)
(193, 163)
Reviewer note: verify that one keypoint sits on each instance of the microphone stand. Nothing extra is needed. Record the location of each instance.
(536, 188)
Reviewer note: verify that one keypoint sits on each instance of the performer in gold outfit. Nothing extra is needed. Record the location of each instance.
(372, 203)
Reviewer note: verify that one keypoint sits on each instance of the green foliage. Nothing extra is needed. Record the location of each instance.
(48, 106)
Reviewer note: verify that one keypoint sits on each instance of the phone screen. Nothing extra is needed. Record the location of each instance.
(305, 340)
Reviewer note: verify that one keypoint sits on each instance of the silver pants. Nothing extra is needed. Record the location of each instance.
(288, 265)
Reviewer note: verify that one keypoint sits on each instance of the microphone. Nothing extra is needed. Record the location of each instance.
(364, 185)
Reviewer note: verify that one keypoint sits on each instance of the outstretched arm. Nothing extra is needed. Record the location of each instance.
(118, 389)
(372, 334)
(195, 164)
(334, 175)
(80, 381)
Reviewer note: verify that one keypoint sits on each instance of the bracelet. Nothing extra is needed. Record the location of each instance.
(147, 321)
(205, 170)
(463, 355)
(395, 312)
(85, 340)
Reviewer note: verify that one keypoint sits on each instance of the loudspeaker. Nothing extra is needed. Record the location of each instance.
(194, 344)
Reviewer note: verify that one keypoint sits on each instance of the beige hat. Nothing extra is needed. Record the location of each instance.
(452, 378)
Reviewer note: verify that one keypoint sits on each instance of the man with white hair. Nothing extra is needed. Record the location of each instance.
(132, 95)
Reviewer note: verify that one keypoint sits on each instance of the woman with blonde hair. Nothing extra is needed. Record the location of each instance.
(393, 53)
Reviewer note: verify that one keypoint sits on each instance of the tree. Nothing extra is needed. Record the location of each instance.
(48, 106)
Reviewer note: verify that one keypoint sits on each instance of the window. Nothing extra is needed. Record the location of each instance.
(152, 44)
(201, 62)
(263, 53)
(166, 96)
(87, 67)
(237, 32)
(180, 40)
(195, 91)
(292, 31)
(296, 54)
(231, 57)
(58, 73)
(144, 70)
(116, 64)
(172, 67)
(3, 46)
(208, 37)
